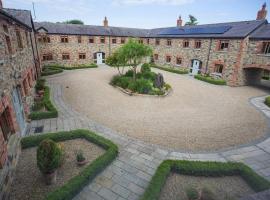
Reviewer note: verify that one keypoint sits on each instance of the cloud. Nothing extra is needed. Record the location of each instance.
(141, 2)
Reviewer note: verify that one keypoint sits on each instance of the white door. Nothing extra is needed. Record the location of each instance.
(195, 67)
(99, 58)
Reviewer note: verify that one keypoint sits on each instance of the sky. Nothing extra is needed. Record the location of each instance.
(141, 13)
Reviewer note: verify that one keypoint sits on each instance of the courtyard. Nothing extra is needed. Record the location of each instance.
(196, 116)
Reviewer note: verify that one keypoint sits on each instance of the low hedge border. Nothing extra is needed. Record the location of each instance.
(176, 71)
(50, 71)
(75, 184)
(267, 101)
(208, 79)
(200, 168)
(72, 68)
(51, 110)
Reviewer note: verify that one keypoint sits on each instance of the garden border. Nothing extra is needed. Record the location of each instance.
(75, 184)
(52, 111)
(176, 71)
(210, 80)
(202, 168)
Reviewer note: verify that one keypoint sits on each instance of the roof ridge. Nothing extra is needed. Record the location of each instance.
(17, 9)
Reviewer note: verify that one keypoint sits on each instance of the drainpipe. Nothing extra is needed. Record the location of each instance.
(208, 56)
(109, 45)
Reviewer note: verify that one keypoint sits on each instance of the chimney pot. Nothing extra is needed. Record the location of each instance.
(262, 13)
(179, 22)
(105, 22)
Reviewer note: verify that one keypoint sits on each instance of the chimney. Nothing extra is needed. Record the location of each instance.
(1, 4)
(179, 22)
(262, 13)
(105, 22)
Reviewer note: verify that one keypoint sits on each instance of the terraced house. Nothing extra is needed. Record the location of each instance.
(237, 51)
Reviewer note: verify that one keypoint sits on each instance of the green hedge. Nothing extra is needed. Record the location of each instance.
(51, 110)
(209, 79)
(267, 101)
(50, 71)
(199, 168)
(75, 184)
(177, 71)
(85, 66)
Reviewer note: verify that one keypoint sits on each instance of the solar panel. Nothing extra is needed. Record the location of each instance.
(195, 30)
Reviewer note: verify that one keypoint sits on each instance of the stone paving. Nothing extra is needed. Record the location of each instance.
(128, 176)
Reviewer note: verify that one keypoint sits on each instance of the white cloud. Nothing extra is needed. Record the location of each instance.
(163, 2)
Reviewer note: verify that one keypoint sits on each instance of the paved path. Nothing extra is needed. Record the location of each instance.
(128, 176)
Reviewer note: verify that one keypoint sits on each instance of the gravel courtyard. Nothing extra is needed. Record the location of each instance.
(196, 116)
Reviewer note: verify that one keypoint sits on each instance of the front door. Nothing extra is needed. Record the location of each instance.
(195, 67)
(99, 58)
(18, 108)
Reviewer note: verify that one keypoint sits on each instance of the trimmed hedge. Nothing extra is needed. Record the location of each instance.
(176, 71)
(50, 71)
(56, 66)
(199, 168)
(209, 79)
(75, 184)
(267, 101)
(51, 110)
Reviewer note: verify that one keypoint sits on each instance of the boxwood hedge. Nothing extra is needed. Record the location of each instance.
(209, 79)
(51, 110)
(75, 184)
(84, 66)
(199, 168)
(177, 71)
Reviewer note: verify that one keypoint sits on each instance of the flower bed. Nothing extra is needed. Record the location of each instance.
(170, 69)
(211, 80)
(144, 83)
(207, 169)
(75, 184)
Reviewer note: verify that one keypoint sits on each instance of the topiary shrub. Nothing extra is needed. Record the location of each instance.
(48, 156)
(145, 68)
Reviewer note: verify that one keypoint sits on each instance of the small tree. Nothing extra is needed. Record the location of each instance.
(74, 21)
(133, 53)
(117, 60)
(192, 21)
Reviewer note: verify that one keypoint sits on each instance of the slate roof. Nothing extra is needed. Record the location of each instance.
(22, 15)
(261, 33)
(235, 30)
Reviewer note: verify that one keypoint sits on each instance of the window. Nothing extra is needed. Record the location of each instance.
(5, 124)
(27, 38)
(46, 57)
(186, 44)
(65, 56)
(39, 39)
(5, 27)
(79, 39)
(178, 61)
(218, 68)
(8, 44)
(82, 55)
(123, 40)
(19, 39)
(157, 42)
(91, 40)
(198, 44)
(169, 42)
(155, 56)
(148, 41)
(140, 41)
(46, 39)
(114, 40)
(223, 45)
(168, 59)
(266, 48)
(102, 40)
(64, 39)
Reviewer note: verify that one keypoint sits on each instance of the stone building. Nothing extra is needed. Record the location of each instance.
(19, 68)
(236, 51)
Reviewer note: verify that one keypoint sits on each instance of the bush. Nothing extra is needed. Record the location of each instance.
(177, 71)
(82, 66)
(38, 106)
(141, 86)
(50, 71)
(129, 73)
(167, 86)
(145, 68)
(149, 75)
(75, 184)
(40, 84)
(267, 101)
(123, 82)
(115, 79)
(192, 193)
(211, 80)
(48, 156)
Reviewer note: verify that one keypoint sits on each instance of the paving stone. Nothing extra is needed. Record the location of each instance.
(118, 189)
(135, 188)
(107, 194)
(104, 181)
(95, 187)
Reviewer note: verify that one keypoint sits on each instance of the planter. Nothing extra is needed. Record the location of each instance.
(81, 163)
(50, 178)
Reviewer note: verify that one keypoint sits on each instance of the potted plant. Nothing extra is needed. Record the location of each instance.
(48, 160)
(80, 158)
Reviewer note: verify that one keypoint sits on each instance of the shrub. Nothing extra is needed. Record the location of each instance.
(149, 75)
(211, 80)
(129, 73)
(79, 156)
(192, 193)
(145, 68)
(48, 156)
(115, 79)
(167, 86)
(40, 84)
(207, 194)
(267, 101)
(50, 71)
(123, 82)
(38, 106)
(141, 86)
(177, 71)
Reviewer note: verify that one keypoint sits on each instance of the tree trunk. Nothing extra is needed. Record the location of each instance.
(134, 73)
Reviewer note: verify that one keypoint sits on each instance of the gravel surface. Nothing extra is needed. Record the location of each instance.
(28, 183)
(195, 116)
(223, 188)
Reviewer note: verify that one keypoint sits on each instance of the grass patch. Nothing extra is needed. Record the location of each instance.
(211, 80)
(51, 111)
(176, 71)
(75, 184)
(199, 168)
(267, 101)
